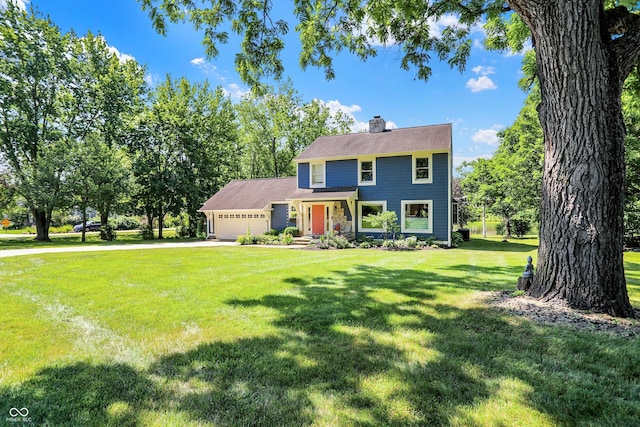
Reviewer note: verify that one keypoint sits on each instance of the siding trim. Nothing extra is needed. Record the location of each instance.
(356, 156)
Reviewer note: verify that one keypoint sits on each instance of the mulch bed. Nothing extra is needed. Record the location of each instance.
(554, 313)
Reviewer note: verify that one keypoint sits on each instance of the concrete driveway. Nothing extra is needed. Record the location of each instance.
(132, 246)
(91, 248)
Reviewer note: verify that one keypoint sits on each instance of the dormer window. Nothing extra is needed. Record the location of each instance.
(422, 169)
(317, 178)
(367, 172)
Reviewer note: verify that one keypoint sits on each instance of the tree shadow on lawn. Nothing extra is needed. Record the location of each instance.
(497, 246)
(369, 351)
(368, 346)
(81, 394)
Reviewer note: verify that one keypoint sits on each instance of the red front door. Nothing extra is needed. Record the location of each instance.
(317, 219)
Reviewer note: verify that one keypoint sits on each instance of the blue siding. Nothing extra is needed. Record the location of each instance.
(441, 202)
(303, 175)
(393, 184)
(342, 173)
(280, 216)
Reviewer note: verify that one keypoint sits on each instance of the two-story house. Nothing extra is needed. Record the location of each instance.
(343, 178)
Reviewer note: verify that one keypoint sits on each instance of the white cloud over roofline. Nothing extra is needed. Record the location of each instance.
(335, 106)
(487, 136)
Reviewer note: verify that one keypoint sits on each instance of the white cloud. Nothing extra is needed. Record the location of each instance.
(334, 106)
(152, 79)
(480, 84)
(206, 67)
(483, 71)
(122, 57)
(483, 82)
(348, 110)
(22, 4)
(525, 48)
(487, 136)
(390, 125)
(234, 91)
(231, 90)
(436, 27)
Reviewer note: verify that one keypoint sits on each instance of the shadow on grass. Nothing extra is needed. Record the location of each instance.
(82, 394)
(368, 346)
(491, 245)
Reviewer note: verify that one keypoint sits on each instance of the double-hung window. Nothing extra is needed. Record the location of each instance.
(422, 169)
(367, 172)
(317, 172)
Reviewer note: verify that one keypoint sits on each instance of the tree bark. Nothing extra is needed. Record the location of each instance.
(104, 216)
(83, 239)
(160, 224)
(580, 258)
(42, 219)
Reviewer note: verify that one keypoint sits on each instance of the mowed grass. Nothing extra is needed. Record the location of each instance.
(123, 237)
(267, 336)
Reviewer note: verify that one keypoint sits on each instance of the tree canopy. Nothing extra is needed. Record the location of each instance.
(55, 91)
(278, 125)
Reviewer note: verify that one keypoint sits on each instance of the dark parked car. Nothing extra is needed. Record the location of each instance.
(90, 226)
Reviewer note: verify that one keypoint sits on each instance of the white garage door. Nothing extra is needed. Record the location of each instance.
(231, 224)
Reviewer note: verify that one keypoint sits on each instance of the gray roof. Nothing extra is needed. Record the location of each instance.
(251, 193)
(389, 142)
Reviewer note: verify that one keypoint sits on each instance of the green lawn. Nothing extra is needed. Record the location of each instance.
(266, 336)
(13, 241)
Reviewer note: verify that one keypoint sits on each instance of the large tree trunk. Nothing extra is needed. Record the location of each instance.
(43, 221)
(580, 259)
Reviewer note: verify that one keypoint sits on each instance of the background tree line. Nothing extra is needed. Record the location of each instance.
(80, 128)
(508, 185)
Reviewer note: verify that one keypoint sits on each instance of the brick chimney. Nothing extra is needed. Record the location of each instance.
(377, 125)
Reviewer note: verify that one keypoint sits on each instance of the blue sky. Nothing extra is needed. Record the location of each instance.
(478, 101)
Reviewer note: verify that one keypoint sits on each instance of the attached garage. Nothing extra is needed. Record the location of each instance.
(244, 205)
(228, 225)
